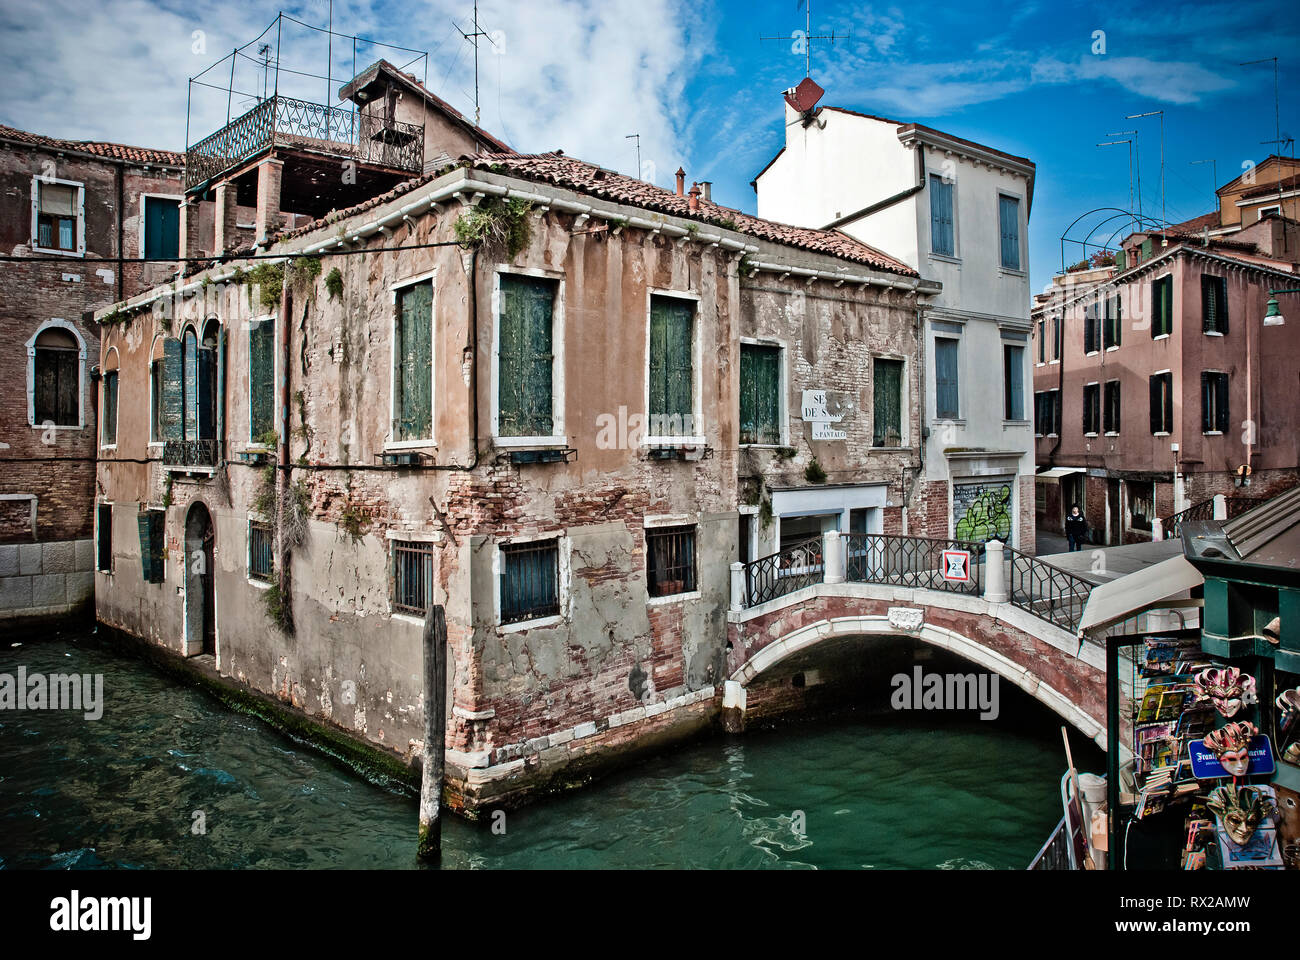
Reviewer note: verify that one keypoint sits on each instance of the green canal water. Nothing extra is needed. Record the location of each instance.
(903, 791)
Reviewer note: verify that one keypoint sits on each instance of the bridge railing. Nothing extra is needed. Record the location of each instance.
(907, 561)
(1047, 591)
(790, 569)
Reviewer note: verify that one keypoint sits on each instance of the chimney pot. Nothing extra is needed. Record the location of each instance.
(681, 182)
(706, 186)
(695, 197)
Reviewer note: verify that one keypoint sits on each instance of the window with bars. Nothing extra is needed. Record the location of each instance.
(104, 538)
(1162, 402)
(941, 218)
(671, 373)
(947, 397)
(1110, 409)
(670, 560)
(413, 363)
(526, 357)
(530, 580)
(887, 405)
(261, 539)
(1162, 306)
(1214, 402)
(760, 393)
(1214, 304)
(412, 576)
(1013, 382)
(1111, 327)
(1009, 231)
(1091, 407)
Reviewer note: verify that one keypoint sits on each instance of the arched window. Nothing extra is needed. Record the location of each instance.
(156, 368)
(108, 411)
(56, 370)
(189, 385)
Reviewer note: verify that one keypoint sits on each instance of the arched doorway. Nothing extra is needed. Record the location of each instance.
(200, 571)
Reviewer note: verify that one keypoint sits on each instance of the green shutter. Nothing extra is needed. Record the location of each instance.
(1121, 260)
(525, 357)
(414, 400)
(261, 378)
(150, 526)
(671, 367)
(760, 396)
(887, 395)
(190, 386)
(172, 396)
(108, 427)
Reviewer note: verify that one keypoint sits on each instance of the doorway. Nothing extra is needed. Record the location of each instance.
(1112, 512)
(200, 593)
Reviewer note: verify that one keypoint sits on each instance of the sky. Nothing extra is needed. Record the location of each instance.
(697, 82)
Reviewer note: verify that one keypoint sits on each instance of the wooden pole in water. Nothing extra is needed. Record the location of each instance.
(435, 733)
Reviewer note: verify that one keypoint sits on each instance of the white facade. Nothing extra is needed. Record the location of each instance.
(872, 179)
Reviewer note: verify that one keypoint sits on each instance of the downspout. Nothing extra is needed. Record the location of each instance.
(888, 201)
(121, 229)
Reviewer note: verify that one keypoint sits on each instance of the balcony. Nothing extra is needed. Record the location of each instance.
(184, 454)
(296, 124)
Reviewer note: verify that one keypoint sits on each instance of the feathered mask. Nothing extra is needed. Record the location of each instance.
(1231, 744)
(1227, 688)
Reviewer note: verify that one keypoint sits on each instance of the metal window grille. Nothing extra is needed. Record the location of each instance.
(670, 566)
(530, 580)
(260, 539)
(412, 576)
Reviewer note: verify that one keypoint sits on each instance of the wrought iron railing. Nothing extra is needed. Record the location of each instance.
(284, 120)
(1048, 592)
(191, 453)
(1055, 853)
(908, 561)
(1239, 505)
(1197, 511)
(793, 568)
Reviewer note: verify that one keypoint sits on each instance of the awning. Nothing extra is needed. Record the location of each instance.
(1161, 585)
(1057, 472)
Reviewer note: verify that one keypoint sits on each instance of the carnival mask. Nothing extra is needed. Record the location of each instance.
(1288, 701)
(1231, 745)
(1240, 811)
(1228, 689)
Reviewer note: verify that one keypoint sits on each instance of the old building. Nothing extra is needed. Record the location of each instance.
(76, 215)
(557, 400)
(1160, 383)
(957, 212)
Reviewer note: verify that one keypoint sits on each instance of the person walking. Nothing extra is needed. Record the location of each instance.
(1076, 528)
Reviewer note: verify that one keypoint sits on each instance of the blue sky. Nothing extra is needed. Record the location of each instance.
(694, 79)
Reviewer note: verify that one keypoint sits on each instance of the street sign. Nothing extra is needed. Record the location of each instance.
(956, 565)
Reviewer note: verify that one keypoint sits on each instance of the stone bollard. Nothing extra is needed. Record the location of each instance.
(832, 557)
(737, 586)
(733, 707)
(995, 575)
(1157, 528)
(1220, 507)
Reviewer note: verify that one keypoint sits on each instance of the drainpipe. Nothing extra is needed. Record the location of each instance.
(282, 333)
(121, 230)
(888, 201)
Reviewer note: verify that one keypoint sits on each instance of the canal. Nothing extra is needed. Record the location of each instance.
(131, 789)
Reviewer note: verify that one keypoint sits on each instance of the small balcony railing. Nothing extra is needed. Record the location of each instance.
(797, 566)
(287, 122)
(191, 453)
(907, 561)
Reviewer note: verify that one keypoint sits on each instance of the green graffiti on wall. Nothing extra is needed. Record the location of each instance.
(983, 511)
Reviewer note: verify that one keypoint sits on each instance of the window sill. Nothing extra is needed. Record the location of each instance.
(1212, 333)
(108, 446)
(1161, 336)
(1091, 433)
(260, 584)
(1050, 362)
(955, 421)
(393, 445)
(407, 618)
(1112, 433)
(1211, 433)
(673, 441)
(672, 598)
(530, 442)
(945, 258)
(763, 446)
(1015, 423)
(157, 443)
(1113, 347)
(875, 449)
(1091, 353)
(1012, 272)
(1160, 433)
(57, 426)
(551, 621)
(73, 254)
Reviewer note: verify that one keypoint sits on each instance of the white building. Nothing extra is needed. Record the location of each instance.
(958, 212)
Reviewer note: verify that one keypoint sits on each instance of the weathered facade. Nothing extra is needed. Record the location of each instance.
(564, 427)
(77, 213)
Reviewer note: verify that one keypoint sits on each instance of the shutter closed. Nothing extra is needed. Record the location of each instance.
(414, 406)
(173, 397)
(887, 402)
(1221, 406)
(1157, 416)
(150, 526)
(760, 401)
(671, 369)
(1207, 402)
(261, 379)
(525, 357)
(947, 402)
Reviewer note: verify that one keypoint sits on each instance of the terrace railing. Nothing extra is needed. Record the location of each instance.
(286, 121)
(191, 453)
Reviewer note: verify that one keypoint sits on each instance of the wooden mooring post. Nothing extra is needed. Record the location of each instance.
(435, 732)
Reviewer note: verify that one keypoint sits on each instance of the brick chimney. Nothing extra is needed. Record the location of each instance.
(681, 182)
(694, 203)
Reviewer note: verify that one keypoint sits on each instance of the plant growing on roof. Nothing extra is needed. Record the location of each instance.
(499, 228)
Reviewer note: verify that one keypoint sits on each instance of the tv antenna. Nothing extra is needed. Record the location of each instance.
(472, 37)
(807, 36)
(637, 138)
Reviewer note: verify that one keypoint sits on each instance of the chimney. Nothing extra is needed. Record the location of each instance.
(707, 188)
(681, 182)
(695, 197)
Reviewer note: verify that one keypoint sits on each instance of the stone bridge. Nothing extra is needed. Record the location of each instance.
(1015, 616)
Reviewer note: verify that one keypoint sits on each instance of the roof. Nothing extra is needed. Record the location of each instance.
(1269, 533)
(99, 148)
(1267, 190)
(1272, 159)
(1206, 221)
(588, 178)
(1155, 586)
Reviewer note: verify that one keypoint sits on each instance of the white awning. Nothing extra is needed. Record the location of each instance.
(1057, 472)
(1163, 584)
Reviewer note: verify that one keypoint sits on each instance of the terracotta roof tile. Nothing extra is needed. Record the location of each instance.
(113, 151)
(1264, 190)
(1197, 224)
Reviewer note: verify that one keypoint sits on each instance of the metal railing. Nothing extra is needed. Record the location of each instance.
(284, 120)
(1197, 511)
(1046, 591)
(1055, 853)
(908, 561)
(793, 568)
(191, 453)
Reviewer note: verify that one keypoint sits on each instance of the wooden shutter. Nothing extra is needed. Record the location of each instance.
(173, 396)
(1221, 404)
(1013, 382)
(525, 357)
(206, 395)
(149, 524)
(760, 399)
(1121, 261)
(947, 397)
(162, 227)
(108, 416)
(413, 406)
(1009, 226)
(671, 367)
(190, 386)
(261, 379)
(104, 534)
(1221, 289)
(887, 389)
(1207, 402)
(941, 226)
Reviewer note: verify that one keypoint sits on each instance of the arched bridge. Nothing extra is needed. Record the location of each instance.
(1014, 615)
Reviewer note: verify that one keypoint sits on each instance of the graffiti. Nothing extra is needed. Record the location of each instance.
(982, 511)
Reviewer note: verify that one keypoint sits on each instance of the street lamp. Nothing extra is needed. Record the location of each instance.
(1273, 316)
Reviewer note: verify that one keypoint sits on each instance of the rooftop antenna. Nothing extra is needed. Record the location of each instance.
(1136, 169)
(1164, 240)
(472, 37)
(1214, 172)
(1115, 143)
(264, 51)
(807, 37)
(637, 137)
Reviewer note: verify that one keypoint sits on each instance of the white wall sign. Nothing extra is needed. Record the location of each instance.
(816, 410)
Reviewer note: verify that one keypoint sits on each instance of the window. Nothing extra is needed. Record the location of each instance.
(109, 414)
(1214, 402)
(1039, 405)
(1214, 304)
(56, 216)
(946, 396)
(760, 393)
(526, 356)
(1042, 341)
(261, 379)
(162, 219)
(260, 540)
(1047, 413)
(1111, 407)
(56, 378)
(1110, 329)
(887, 409)
(671, 374)
(156, 390)
(153, 566)
(1162, 402)
(1091, 408)
(941, 222)
(670, 560)
(1013, 382)
(413, 363)
(1056, 338)
(1141, 504)
(530, 580)
(1092, 327)
(412, 576)
(1009, 231)
(1162, 306)
(104, 538)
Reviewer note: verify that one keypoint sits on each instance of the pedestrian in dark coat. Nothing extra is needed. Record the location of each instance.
(1076, 528)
